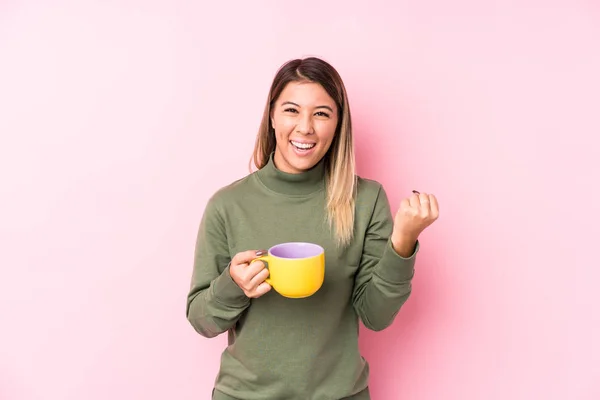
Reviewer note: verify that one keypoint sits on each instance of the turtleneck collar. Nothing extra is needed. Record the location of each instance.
(304, 183)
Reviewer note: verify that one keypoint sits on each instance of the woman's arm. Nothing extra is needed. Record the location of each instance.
(215, 302)
(383, 280)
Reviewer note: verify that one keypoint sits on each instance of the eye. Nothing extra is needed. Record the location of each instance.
(292, 110)
(322, 114)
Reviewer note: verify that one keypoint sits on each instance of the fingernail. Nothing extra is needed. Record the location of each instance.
(416, 192)
(261, 252)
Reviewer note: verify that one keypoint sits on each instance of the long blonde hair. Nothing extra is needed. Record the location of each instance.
(339, 161)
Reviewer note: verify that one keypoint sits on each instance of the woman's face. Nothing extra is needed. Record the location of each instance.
(305, 120)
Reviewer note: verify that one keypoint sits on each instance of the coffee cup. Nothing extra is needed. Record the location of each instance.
(296, 269)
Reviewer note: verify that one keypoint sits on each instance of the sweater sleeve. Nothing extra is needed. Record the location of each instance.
(383, 280)
(214, 302)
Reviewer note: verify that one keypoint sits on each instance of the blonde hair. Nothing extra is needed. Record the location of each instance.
(340, 163)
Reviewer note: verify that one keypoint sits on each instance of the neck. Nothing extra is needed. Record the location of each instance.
(303, 183)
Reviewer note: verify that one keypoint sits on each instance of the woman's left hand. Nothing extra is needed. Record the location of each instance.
(415, 214)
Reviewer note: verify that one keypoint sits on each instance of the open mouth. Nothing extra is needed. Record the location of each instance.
(302, 146)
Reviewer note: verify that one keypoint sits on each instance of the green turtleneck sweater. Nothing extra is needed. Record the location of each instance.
(281, 348)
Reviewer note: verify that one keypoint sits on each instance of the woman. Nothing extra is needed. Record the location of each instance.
(305, 190)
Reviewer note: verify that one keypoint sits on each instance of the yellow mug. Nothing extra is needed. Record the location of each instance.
(296, 269)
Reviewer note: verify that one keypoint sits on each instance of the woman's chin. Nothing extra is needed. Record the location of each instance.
(297, 162)
(304, 163)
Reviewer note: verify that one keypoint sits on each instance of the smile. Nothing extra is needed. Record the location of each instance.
(302, 146)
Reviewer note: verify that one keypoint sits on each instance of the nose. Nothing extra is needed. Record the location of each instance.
(305, 125)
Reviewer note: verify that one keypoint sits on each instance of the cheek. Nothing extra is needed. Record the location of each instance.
(327, 132)
(283, 127)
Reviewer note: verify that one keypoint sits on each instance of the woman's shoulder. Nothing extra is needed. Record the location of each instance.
(237, 189)
(370, 197)
(368, 187)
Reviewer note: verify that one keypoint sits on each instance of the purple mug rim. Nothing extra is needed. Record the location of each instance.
(290, 244)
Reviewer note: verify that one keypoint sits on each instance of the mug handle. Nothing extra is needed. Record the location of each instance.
(265, 259)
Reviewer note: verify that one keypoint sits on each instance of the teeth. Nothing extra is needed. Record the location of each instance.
(304, 146)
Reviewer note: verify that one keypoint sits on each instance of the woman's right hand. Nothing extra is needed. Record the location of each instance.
(250, 276)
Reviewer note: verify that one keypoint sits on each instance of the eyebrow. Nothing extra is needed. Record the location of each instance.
(294, 104)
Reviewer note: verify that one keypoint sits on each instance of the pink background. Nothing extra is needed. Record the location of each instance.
(119, 119)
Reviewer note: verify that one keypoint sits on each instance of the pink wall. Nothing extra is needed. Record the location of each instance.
(119, 119)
